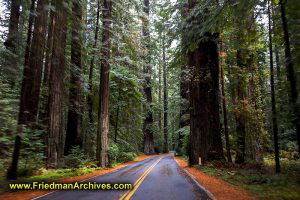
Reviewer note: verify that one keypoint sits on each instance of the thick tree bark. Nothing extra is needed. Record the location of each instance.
(73, 134)
(203, 62)
(33, 72)
(184, 120)
(57, 81)
(216, 146)
(103, 115)
(291, 76)
(199, 111)
(166, 143)
(29, 33)
(49, 49)
(184, 107)
(274, 112)
(148, 121)
(90, 95)
(226, 132)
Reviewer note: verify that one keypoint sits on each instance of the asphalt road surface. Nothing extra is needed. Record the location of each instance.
(156, 178)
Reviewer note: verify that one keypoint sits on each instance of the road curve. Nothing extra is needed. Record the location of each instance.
(157, 178)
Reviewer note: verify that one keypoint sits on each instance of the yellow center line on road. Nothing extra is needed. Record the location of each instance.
(129, 194)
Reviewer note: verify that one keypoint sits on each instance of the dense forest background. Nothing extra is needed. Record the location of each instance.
(96, 82)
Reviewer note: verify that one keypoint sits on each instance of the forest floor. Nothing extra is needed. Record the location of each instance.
(66, 178)
(249, 182)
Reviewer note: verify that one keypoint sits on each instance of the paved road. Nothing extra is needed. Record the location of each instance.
(159, 177)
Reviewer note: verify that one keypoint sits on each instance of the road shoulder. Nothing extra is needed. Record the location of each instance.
(219, 189)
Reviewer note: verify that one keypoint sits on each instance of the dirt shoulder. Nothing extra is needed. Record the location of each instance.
(220, 189)
(24, 195)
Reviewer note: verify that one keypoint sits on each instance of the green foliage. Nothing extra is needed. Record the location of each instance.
(76, 159)
(31, 144)
(291, 146)
(186, 140)
(9, 100)
(126, 157)
(113, 152)
(262, 182)
(51, 174)
(120, 156)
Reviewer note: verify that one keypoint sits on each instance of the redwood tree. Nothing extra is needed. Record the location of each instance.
(29, 32)
(103, 115)
(57, 80)
(73, 134)
(273, 100)
(148, 121)
(203, 62)
(166, 143)
(47, 68)
(33, 71)
(91, 70)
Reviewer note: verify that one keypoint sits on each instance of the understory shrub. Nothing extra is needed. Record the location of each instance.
(75, 159)
(126, 156)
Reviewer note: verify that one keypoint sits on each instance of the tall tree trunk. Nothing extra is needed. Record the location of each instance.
(274, 113)
(216, 146)
(184, 107)
(184, 120)
(276, 47)
(12, 39)
(166, 143)
(49, 49)
(148, 121)
(103, 115)
(33, 72)
(90, 95)
(203, 61)
(29, 33)
(204, 64)
(291, 74)
(159, 98)
(57, 81)
(12, 172)
(226, 132)
(73, 134)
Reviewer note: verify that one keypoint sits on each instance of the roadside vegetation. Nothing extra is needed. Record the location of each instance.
(260, 180)
(74, 165)
(88, 84)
